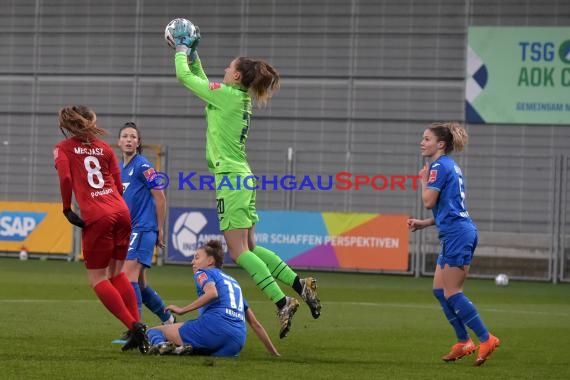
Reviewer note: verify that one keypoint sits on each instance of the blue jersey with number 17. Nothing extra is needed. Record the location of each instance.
(137, 178)
(230, 304)
(450, 212)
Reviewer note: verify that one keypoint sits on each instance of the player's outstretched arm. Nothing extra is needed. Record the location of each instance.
(260, 332)
(210, 294)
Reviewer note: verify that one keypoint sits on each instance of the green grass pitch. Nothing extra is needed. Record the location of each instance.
(372, 327)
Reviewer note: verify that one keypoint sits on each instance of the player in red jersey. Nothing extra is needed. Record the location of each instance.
(87, 166)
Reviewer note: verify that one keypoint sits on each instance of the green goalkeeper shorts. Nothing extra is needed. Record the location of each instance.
(235, 197)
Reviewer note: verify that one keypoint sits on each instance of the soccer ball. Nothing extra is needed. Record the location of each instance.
(168, 36)
(186, 230)
(502, 280)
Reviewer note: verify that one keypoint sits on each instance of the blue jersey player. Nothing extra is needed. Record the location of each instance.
(147, 206)
(220, 328)
(443, 191)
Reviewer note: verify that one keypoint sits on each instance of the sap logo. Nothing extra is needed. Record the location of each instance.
(16, 226)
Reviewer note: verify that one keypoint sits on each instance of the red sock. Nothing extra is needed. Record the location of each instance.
(112, 300)
(125, 289)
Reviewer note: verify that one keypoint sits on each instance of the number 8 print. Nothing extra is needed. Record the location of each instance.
(94, 172)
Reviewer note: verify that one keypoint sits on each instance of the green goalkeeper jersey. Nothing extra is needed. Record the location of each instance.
(228, 112)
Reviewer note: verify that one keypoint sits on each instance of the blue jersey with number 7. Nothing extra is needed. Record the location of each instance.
(139, 178)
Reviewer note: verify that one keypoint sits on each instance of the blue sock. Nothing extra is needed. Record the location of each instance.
(155, 337)
(137, 290)
(152, 300)
(455, 322)
(468, 314)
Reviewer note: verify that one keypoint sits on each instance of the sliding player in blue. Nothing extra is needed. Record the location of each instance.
(443, 191)
(220, 328)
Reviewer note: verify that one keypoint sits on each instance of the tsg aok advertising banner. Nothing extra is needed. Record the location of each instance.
(518, 75)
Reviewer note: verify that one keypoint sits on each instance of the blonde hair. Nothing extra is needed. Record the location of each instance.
(80, 121)
(259, 78)
(452, 134)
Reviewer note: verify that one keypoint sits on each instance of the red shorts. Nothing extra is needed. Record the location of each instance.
(105, 239)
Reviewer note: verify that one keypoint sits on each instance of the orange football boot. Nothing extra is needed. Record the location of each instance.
(459, 350)
(486, 349)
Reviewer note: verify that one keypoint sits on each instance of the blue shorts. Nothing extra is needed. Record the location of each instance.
(141, 247)
(458, 250)
(213, 335)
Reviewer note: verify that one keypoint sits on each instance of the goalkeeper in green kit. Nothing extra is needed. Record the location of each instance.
(228, 111)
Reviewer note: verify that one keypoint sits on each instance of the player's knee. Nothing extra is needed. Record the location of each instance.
(438, 293)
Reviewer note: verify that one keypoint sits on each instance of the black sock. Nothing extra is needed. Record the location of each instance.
(297, 285)
(281, 303)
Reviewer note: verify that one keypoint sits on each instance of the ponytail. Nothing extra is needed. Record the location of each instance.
(259, 78)
(452, 134)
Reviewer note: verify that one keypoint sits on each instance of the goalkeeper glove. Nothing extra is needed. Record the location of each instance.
(73, 218)
(192, 51)
(181, 33)
(196, 38)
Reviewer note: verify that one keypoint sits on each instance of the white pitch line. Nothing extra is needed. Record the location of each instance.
(368, 304)
(417, 306)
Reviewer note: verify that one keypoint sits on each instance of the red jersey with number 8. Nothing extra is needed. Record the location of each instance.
(95, 177)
